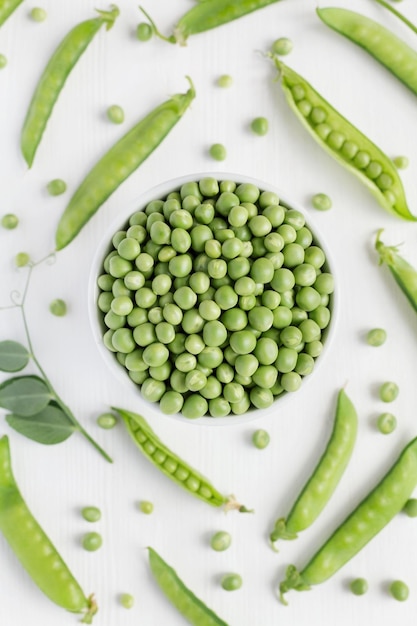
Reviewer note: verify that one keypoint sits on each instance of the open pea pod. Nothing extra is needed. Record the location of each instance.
(344, 142)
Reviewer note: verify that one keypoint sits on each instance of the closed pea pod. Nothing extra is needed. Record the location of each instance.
(33, 547)
(54, 77)
(118, 163)
(325, 477)
(7, 7)
(371, 515)
(187, 603)
(171, 465)
(344, 142)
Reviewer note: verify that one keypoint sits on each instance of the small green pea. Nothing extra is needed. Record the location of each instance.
(376, 336)
(388, 391)
(224, 81)
(144, 31)
(126, 600)
(116, 114)
(22, 259)
(56, 187)
(321, 202)
(58, 307)
(38, 15)
(9, 221)
(410, 507)
(401, 162)
(218, 152)
(282, 46)
(3, 61)
(260, 126)
(146, 507)
(386, 423)
(91, 513)
(220, 541)
(260, 439)
(231, 582)
(92, 541)
(106, 421)
(399, 590)
(359, 586)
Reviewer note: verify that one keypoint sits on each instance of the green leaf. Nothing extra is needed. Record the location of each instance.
(24, 395)
(49, 426)
(13, 356)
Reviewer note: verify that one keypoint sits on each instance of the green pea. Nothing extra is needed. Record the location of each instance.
(91, 513)
(115, 114)
(260, 439)
(126, 600)
(22, 259)
(401, 162)
(231, 582)
(261, 398)
(410, 507)
(359, 586)
(221, 541)
(106, 421)
(9, 221)
(218, 152)
(58, 307)
(146, 507)
(219, 407)
(291, 381)
(386, 423)
(3, 61)
(399, 590)
(224, 81)
(321, 202)
(38, 15)
(282, 46)
(260, 126)
(144, 31)
(92, 541)
(195, 406)
(376, 336)
(56, 187)
(388, 391)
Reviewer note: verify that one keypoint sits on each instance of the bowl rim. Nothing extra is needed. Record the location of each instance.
(159, 191)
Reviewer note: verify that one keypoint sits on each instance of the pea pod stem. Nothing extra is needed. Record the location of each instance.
(7, 7)
(54, 76)
(371, 515)
(33, 547)
(326, 475)
(404, 274)
(118, 163)
(172, 466)
(400, 16)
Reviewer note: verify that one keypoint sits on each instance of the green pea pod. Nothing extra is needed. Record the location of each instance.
(53, 79)
(207, 15)
(381, 43)
(344, 142)
(171, 465)
(375, 511)
(404, 274)
(34, 549)
(187, 603)
(7, 7)
(118, 163)
(326, 476)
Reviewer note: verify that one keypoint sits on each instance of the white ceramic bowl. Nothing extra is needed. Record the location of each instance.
(96, 316)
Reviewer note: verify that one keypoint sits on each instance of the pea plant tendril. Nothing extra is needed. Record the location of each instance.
(36, 409)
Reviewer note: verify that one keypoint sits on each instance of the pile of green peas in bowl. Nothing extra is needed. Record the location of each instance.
(214, 297)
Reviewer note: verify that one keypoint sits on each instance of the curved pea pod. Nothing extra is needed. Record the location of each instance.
(34, 549)
(187, 603)
(375, 511)
(344, 142)
(7, 7)
(171, 465)
(405, 275)
(325, 477)
(381, 43)
(54, 76)
(208, 15)
(118, 163)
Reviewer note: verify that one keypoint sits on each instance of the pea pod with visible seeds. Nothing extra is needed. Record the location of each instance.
(326, 476)
(405, 275)
(345, 142)
(207, 15)
(375, 511)
(171, 464)
(7, 7)
(187, 603)
(54, 76)
(118, 163)
(33, 547)
(381, 43)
